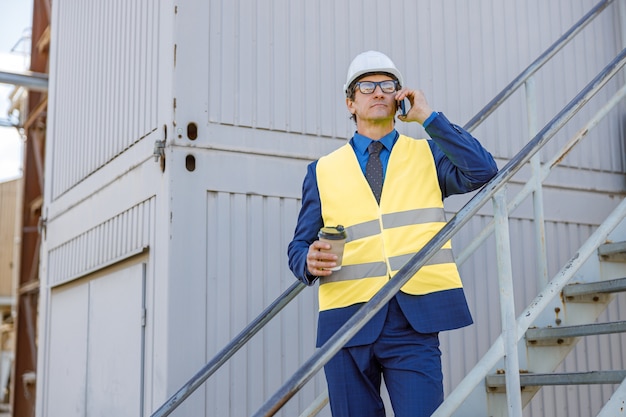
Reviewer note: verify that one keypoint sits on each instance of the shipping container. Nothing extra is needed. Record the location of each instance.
(178, 137)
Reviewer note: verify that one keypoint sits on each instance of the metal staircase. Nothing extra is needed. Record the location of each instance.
(532, 345)
(550, 327)
(547, 346)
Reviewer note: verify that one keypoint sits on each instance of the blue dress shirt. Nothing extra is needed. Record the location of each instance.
(462, 165)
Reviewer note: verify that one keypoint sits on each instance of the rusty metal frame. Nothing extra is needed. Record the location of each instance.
(24, 375)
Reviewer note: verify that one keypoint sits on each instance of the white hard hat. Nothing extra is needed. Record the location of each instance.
(371, 62)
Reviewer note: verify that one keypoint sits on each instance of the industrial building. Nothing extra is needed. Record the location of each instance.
(166, 144)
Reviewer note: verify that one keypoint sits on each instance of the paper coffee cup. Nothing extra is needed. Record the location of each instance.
(336, 237)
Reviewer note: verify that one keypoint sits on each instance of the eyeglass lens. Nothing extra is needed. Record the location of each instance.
(368, 87)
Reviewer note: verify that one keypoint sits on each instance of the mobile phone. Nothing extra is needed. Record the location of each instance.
(401, 107)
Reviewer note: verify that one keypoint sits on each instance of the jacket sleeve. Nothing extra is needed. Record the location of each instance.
(309, 223)
(462, 163)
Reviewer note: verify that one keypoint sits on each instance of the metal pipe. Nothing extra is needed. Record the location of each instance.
(507, 305)
(27, 79)
(545, 171)
(7, 123)
(369, 309)
(317, 405)
(536, 181)
(229, 350)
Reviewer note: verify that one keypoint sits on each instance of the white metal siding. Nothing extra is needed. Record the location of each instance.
(263, 83)
(106, 90)
(118, 238)
(281, 65)
(115, 351)
(247, 270)
(95, 362)
(66, 355)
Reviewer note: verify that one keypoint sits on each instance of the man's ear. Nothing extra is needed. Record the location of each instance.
(350, 105)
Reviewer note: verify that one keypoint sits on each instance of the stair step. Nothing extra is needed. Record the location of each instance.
(497, 382)
(613, 251)
(572, 292)
(563, 335)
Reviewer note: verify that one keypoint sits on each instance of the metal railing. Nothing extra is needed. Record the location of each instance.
(369, 309)
(538, 63)
(229, 350)
(350, 328)
(518, 327)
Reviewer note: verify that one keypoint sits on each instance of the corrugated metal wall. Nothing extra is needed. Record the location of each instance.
(125, 235)
(280, 66)
(106, 78)
(262, 83)
(252, 228)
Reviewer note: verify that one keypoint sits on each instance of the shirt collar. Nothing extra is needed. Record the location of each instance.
(362, 142)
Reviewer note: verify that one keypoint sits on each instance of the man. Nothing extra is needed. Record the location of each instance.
(386, 223)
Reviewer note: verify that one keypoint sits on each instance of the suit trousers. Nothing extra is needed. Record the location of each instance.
(409, 362)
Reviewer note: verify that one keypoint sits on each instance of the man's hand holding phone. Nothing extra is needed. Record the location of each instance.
(419, 110)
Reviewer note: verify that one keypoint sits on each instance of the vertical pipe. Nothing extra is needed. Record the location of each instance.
(316, 406)
(507, 304)
(536, 180)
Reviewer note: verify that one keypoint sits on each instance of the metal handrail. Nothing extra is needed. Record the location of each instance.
(369, 309)
(229, 350)
(546, 169)
(279, 303)
(530, 314)
(537, 63)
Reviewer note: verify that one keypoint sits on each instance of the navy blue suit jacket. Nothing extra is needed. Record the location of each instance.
(463, 165)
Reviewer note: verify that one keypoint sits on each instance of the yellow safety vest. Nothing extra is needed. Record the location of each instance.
(382, 238)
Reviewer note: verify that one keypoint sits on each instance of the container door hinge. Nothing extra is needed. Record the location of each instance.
(41, 225)
(159, 150)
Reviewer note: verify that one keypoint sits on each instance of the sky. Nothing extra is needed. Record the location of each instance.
(15, 24)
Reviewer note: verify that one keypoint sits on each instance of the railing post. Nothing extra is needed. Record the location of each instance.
(536, 181)
(507, 304)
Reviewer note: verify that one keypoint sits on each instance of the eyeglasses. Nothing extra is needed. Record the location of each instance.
(368, 87)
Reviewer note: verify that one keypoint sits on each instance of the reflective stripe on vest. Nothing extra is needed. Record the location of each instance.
(381, 239)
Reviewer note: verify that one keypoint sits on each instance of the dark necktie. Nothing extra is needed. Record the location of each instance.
(374, 169)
